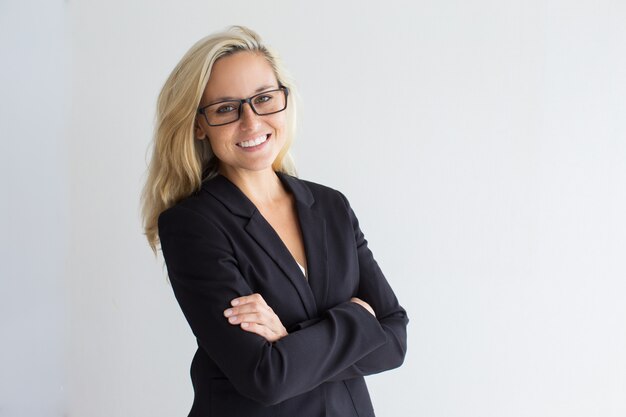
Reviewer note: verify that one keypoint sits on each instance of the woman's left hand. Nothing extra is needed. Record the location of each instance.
(253, 315)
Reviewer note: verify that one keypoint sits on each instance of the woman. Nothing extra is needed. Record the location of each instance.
(273, 274)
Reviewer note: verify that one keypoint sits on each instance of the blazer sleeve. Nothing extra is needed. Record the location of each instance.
(205, 276)
(375, 290)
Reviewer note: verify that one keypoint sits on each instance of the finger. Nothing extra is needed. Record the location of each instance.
(249, 318)
(256, 328)
(256, 297)
(364, 304)
(251, 307)
(261, 330)
(272, 323)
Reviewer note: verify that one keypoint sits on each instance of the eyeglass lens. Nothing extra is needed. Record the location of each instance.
(228, 111)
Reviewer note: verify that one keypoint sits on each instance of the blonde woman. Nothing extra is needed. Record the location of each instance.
(273, 274)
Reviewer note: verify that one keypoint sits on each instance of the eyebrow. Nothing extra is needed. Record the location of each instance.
(230, 98)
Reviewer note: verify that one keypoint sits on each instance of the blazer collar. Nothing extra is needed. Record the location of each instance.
(237, 202)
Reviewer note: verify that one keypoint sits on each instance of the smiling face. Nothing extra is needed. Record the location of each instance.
(253, 142)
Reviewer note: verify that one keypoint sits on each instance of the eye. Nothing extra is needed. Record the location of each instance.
(226, 108)
(264, 98)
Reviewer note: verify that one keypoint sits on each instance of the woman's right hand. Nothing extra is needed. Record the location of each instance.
(364, 304)
(253, 315)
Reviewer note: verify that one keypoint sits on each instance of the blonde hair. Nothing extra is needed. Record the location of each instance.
(179, 162)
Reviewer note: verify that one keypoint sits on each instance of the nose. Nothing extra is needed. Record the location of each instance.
(249, 119)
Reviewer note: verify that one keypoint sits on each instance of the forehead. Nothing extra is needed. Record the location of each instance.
(239, 75)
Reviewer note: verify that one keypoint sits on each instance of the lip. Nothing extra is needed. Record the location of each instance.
(256, 147)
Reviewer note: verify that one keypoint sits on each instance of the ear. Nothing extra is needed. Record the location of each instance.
(198, 131)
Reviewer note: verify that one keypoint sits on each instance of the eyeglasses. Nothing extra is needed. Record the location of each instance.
(262, 104)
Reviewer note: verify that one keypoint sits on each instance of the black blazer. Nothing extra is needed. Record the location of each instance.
(217, 246)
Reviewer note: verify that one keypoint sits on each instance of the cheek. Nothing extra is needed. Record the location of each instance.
(219, 140)
(280, 123)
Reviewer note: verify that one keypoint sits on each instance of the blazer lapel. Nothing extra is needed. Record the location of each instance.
(314, 233)
(267, 238)
(313, 227)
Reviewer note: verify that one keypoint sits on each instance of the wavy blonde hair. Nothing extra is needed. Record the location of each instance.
(179, 162)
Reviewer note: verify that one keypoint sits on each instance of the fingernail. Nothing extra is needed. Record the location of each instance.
(228, 312)
(244, 325)
(234, 302)
(232, 319)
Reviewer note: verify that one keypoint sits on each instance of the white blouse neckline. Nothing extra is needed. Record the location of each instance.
(303, 269)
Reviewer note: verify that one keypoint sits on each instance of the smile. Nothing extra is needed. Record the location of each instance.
(253, 142)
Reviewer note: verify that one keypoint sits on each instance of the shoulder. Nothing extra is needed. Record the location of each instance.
(201, 207)
(321, 195)
(328, 203)
(185, 215)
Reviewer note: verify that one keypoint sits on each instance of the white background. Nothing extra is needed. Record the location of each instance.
(481, 143)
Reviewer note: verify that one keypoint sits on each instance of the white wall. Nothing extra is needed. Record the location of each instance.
(482, 144)
(34, 206)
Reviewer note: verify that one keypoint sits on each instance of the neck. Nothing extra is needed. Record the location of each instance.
(261, 187)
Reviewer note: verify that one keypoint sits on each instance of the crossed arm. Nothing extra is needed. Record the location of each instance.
(253, 315)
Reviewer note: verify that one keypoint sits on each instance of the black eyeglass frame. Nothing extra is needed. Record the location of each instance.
(242, 102)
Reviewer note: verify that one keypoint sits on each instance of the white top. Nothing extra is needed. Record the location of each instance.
(303, 269)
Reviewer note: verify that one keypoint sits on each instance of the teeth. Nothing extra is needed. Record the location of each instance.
(253, 142)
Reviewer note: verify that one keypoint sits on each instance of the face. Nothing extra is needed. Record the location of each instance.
(252, 142)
